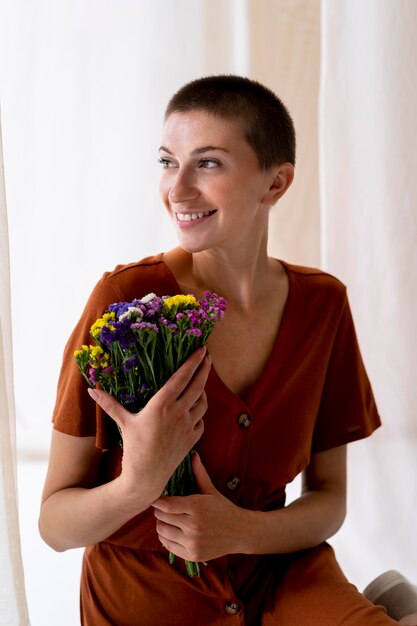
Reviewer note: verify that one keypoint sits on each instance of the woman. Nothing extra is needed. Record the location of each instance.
(281, 390)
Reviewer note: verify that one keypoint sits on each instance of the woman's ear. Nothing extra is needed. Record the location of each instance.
(282, 177)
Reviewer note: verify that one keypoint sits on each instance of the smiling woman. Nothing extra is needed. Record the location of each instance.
(212, 177)
(280, 393)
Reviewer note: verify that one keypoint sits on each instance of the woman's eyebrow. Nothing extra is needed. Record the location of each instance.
(197, 150)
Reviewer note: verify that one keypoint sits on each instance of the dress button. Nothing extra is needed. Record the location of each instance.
(244, 420)
(233, 482)
(232, 608)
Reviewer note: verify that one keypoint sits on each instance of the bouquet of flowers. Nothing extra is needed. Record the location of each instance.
(138, 346)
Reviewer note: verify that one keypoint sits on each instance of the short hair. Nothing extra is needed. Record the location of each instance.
(268, 126)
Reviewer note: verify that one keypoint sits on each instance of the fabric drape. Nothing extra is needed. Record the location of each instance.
(368, 147)
(13, 610)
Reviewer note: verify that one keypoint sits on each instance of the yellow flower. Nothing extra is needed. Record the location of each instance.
(102, 321)
(84, 348)
(98, 358)
(181, 301)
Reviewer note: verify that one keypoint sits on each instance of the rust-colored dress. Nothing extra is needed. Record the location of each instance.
(312, 395)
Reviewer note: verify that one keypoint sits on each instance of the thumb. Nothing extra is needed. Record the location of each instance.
(204, 484)
(109, 404)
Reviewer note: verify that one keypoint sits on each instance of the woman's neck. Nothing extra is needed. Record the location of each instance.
(243, 277)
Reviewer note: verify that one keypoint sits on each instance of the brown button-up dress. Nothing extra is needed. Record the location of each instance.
(312, 395)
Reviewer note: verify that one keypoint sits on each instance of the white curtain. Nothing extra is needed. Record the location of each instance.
(83, 86)
(82, 120)
(368, 126)
(13, 610)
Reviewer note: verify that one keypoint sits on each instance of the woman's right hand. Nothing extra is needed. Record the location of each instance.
(156, 439)
(77, 510)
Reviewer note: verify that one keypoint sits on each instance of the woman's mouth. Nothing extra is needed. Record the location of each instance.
(192, 217)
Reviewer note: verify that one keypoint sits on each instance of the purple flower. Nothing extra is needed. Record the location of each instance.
(107, 336)
(168, 323)
(194, 331)
(215, 305)
(130, 363)
(131, 403)
(197, 317)
(118, 308)
(92, 375)
(145, 326)
(121, 333)
(151, 308)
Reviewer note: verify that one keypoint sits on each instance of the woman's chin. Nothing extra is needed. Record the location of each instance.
(192, 244)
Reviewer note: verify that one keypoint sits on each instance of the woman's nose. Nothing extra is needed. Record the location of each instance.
(183, 188)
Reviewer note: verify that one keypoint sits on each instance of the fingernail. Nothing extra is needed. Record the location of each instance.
(93, 393)
(203, 350)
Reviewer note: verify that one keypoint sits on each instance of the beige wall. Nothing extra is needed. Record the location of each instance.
(285, 55)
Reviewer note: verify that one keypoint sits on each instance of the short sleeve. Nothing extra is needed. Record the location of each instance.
(75, 413)
(347, 409)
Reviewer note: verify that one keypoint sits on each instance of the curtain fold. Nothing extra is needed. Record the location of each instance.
(368, 149)
(13, 609)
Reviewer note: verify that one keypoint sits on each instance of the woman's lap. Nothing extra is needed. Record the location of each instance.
(311, 591)
(315, 592)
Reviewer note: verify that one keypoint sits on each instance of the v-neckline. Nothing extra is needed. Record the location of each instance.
(249, 397)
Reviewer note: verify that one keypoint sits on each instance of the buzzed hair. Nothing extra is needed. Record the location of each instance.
(268, 126)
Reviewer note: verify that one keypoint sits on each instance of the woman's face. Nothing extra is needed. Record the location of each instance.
(211, 183)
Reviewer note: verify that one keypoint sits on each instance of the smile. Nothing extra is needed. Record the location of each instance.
(191, 217)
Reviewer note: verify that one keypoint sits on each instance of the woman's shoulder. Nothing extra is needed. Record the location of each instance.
(314, 277)
(316, 290)
(137, 279)
(145, 265)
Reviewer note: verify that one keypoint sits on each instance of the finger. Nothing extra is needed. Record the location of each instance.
(199, 426)
(198, 431)
(195, 389)
(202, 478)
(173, 505)
(170, 529)
(182, 377)
(168, 533)
(176, 548)
(199, 407)
(110, 405)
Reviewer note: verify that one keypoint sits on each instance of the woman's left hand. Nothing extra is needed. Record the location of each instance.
(202, 526)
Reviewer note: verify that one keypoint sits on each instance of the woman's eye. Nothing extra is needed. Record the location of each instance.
(209, 163)
(166, 163)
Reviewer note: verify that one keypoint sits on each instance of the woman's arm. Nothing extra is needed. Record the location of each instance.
(316, 515)
(75, 511)
(202, 527)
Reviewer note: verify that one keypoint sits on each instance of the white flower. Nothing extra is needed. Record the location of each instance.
(131, 313)
(148, 298)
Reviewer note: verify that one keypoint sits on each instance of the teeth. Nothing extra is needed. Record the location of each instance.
(188, 217)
